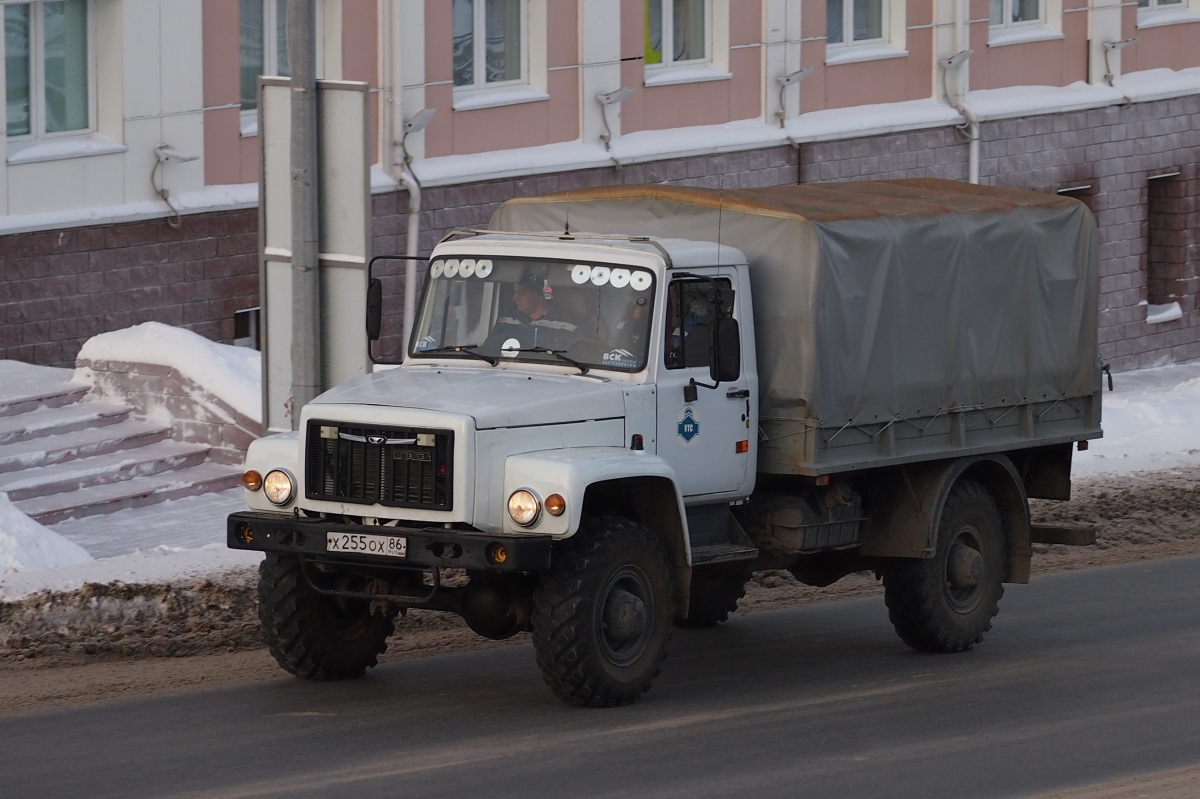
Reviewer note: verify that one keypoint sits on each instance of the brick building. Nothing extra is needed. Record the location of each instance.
(1099, 100)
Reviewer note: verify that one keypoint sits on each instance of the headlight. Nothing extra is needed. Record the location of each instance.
(278, 487)
(523, 507)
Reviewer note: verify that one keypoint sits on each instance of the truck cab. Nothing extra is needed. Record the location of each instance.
(552, 384)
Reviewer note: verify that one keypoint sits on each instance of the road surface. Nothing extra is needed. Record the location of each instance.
(1088, 677)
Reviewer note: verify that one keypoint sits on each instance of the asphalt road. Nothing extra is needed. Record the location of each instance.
(1087, 677)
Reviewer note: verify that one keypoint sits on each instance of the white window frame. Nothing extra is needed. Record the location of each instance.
(890, 45)
(249, 116)
(37, 89)
(532, 85)
(668, 31)
(715, 63)
(1047, 26)
(479, 54)
(1168, 14)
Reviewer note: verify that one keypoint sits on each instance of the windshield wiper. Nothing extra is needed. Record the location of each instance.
(560, 354)
(465, 349)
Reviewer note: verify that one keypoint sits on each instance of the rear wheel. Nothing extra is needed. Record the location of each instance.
(602, 613)
(715, 592)
(314, 635)
(946, 603)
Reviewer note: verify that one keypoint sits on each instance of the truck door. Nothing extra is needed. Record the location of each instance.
(706, 440)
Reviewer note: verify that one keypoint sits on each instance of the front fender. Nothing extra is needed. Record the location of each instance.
(279, 451)
(569, 472)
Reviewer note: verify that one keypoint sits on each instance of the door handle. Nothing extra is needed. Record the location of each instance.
(738, 393)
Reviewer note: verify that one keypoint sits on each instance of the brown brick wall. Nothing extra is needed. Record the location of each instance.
(60, 288)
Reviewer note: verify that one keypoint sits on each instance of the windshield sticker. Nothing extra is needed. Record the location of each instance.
(510, 348)
(689, 427)
(619, 278)
(435, 271)
(426, 343)
(581, 274)
(640, 280)
(623, 359)
(600, 275)
(483, 267)
(466, 267)
(451, 267)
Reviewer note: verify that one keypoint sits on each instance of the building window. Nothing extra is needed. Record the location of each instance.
(1007, 13)
(855, 21)
(1167, 238)
(46, 54)
(1157, 5)
(488, 43)
(263, 45)
(676, 31)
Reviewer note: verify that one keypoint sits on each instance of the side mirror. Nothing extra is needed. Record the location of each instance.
(374, 308)
(725, 356)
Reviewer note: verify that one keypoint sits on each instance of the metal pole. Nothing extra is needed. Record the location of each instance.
(306, 277)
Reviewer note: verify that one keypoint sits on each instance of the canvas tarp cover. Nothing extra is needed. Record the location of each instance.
(885, 299)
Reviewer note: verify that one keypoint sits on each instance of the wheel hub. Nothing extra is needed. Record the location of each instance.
(624, 616)
(964, 568)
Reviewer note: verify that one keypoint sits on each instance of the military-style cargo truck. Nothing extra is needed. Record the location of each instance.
(608, 430)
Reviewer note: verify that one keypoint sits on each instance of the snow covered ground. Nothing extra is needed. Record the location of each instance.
(1151, 422)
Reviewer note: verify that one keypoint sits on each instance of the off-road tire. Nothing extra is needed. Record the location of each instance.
(715, 593)
(929, 613)
(312, 635)
(579, 658)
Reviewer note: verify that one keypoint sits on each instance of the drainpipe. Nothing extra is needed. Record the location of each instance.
(402, 164)
(968, 131)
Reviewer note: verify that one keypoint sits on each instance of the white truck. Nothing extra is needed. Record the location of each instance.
(607, 431)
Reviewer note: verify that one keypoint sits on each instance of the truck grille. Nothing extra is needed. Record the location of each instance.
(395, 466)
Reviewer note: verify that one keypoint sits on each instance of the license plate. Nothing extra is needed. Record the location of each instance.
(393, 546)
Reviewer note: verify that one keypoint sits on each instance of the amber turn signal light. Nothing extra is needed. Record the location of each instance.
(742, 446)
(555, 505)
(245, 533)
(252, 480)
(497, 553)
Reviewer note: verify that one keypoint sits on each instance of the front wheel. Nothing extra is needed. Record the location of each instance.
(602, 613)
(315, 635)
(946, 603)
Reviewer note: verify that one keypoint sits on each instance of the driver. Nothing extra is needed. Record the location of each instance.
(537, 322)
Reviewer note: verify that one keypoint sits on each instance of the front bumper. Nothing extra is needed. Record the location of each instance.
(428, 547)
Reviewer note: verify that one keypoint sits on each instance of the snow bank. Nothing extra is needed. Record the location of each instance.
(233, 374)
(1151, 422)
(160, 565)
(27, 545)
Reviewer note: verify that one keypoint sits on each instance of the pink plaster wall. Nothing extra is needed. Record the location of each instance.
(1056, 62)
(505, 127)
(360, 55)
(227, 159)
(705, 103)
(1171, 46)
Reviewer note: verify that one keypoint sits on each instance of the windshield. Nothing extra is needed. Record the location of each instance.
(518, 309)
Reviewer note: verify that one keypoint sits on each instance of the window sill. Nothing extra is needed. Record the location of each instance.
(999, 37)
(1173, 16)
(38, 150)
(673, 76)
(853, 53)
(470, 99)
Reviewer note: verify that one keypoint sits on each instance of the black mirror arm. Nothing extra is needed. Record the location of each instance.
(689, 390)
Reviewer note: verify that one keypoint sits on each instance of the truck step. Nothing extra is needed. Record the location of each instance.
(79, 444)
(134, 493)
(722, 553)
(111, 467)
(50, 421)
(25, 387)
